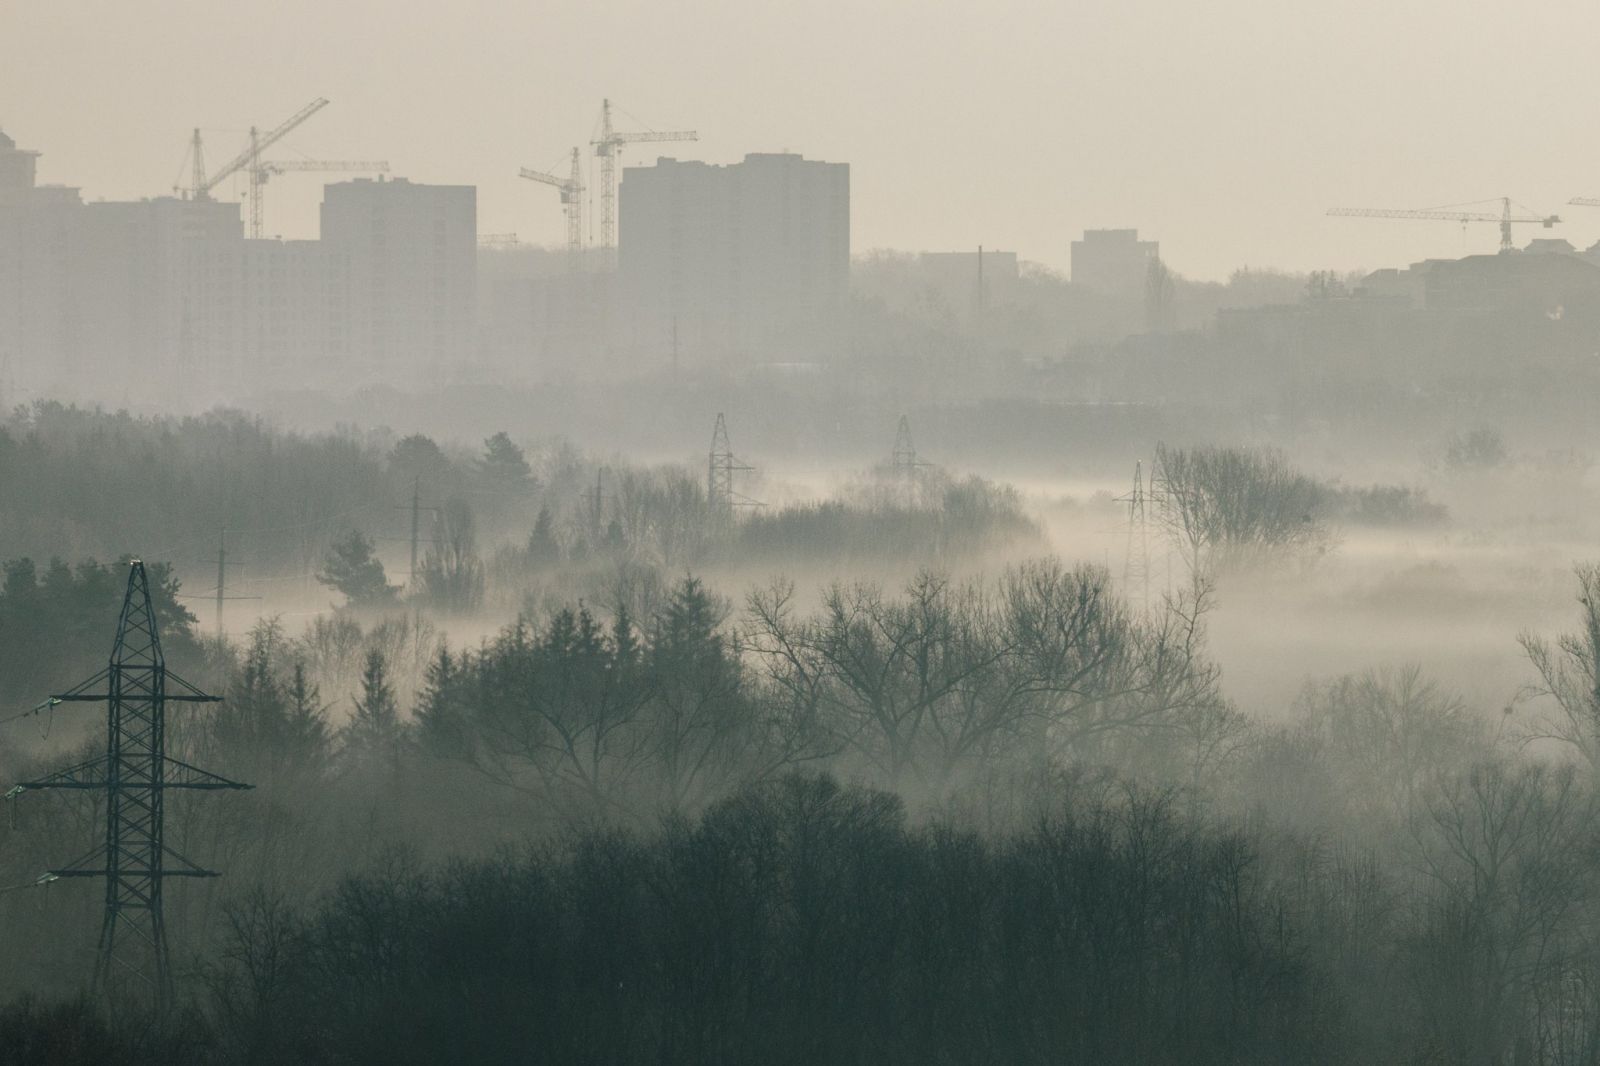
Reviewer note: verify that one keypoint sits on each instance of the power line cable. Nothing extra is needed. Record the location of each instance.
(45, 706)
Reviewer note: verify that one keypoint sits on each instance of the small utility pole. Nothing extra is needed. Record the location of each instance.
(416, 509)
(596, 501)
(222, 580)
(222, 575)
(980, 282)
(416, 506)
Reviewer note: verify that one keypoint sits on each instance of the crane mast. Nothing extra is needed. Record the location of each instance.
(249, 161)
(571, 189)
(197, 159)
(607, 147)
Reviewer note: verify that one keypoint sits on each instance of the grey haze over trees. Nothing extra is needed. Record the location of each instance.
(475, 512)
(1478, 449)
(1076, 805)
(1060, 839)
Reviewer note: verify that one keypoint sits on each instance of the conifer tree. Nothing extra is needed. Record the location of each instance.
(354, 570)
(375, 729)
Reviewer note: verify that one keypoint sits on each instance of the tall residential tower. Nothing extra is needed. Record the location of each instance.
(738, 264)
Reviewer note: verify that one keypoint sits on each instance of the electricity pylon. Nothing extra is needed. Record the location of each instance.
(904, 457)
(1136, 558)
(720, 470)
(135, 773)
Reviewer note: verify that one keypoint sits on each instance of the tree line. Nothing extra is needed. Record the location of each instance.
(496, 522)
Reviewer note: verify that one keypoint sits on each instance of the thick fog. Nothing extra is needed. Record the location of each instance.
(720, 534)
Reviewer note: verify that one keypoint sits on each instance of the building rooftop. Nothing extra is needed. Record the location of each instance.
(8, 145)
(749, 157)
(1550, 246)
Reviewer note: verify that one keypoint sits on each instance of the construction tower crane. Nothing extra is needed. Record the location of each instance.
(267, 170)
(1448, 214)
(249, 161)
(608, 146)
(197, 175)
(571, 189)
(373, 166)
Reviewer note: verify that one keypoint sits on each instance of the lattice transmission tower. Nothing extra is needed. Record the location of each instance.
(904, 458)
(608, 145)
(721, 467)
(135, 774)
(1136, 556)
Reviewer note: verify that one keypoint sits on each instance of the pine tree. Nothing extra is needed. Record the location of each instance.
(250, 725)
(688, 625)
(307, 739)
(354, 570)
(440, 724)
(374, 730)
(503, 462)
(624, 638)
(417, 459)
(702, 725)
(543, 550)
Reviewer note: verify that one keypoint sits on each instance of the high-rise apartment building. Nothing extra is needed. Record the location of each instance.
(133, 300)
(32, 249)
(120, 299)
(156, 291)
(18, 169)
(402, 267)
(743, 263)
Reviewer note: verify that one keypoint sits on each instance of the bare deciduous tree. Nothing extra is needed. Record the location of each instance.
(920, 687)
(1391, 733)
(1230, 507)
(452, 572)
(1569, 672)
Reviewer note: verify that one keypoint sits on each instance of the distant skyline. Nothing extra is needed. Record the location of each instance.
(1224, 130)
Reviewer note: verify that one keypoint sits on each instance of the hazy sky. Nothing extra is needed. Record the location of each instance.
(1222, 129)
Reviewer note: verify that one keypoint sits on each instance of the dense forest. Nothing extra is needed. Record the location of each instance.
(629, 789)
